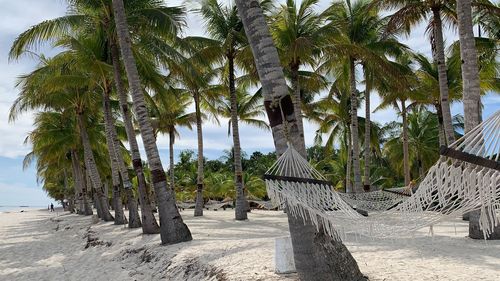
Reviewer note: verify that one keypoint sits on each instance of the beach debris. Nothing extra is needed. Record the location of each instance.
(93, 240)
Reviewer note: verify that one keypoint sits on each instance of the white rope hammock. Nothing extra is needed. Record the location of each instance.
(466, 178)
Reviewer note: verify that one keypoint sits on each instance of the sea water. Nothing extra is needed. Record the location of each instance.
(13, 209)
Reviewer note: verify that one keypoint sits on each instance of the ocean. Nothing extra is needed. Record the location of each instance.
(4, 209)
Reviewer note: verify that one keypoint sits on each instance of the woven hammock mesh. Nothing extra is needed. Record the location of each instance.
(450, 189)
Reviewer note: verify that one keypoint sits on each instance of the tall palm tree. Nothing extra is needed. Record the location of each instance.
(94, 19)
(226, 29)
(168, 113)
(193, 76)
(172, 228)
(332, 116)
(410, 13)
(357, 30)
(312, 259)
(400, 100)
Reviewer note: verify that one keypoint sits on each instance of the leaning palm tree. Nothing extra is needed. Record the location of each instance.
(172, 227)
(314, 260)
(55, 140)
(61, 82)
(94, 18)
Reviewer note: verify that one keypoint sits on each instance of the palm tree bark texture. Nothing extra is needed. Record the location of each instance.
(198, 209)
(443, 78)
(317, 256)
(241, 201)
(115, 174)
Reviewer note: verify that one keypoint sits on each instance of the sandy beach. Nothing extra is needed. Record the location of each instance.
(38, 245)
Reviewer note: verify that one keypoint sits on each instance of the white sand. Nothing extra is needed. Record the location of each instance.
(38, 245)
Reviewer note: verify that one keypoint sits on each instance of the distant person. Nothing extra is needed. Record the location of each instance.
(51, 207)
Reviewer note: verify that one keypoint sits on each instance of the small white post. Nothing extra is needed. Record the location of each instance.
(283, 255)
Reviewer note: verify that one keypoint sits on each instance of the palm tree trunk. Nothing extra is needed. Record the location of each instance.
(406, 157)
(241, 200)
(348, 172)
(198, 209)
(172, 228)
(471, 91)
(366, 183)
(87, 193)
(87, 207)
(443, 77)
(317, 256)
(134, 220)
(149, 224)
(66, 207)
(97, 203)
(421, 173)
(115, 174)
(441, 135)
(77, 180)
(92, 170)
(171, 135)
(297, 102)
(470, 70)
(356, 166)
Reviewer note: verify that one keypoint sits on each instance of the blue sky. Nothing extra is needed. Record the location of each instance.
(18, 187)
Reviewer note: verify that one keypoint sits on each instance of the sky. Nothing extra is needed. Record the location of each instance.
(19, 187)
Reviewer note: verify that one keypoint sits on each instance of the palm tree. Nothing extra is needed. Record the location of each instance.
(392, 96)
(357, 28)
(428, 87)
(168, 113)
(62, 82)
(332, 116)
(226, 29)
(172, 228)
(410, 13)
(422, 138)
(250, 109)
(193, 76)
(312, 259)
(94, 19)
(54, 140)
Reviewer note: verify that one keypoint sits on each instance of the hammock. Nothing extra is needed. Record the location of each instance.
(466, 178)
